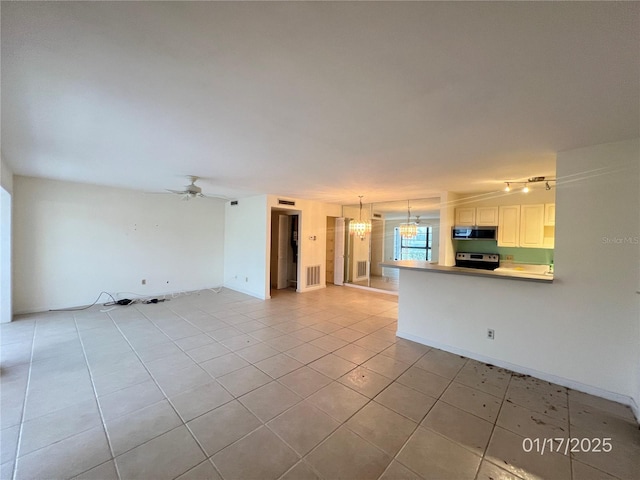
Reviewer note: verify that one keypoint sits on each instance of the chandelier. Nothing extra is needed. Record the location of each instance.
(409, 229)
(361, 227)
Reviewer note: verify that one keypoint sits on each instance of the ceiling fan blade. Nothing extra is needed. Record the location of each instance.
(178, 192)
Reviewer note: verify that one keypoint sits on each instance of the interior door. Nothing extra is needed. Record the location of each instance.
(283, 251)
(338, 262)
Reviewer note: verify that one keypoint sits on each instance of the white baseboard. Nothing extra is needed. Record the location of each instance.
(42, 309)
(565, 382)
(310, 289)
(235, 288)
(371, 289)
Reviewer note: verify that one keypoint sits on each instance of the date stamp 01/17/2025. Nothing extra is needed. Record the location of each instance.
(566, 445)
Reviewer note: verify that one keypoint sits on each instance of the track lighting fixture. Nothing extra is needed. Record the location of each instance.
(532, 180)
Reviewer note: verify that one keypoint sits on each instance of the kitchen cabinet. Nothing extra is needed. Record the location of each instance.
(465, 216)
(487, 216)
(532, 226)
(549, 214)
(509, 226)
(549, 225)
(481, 216)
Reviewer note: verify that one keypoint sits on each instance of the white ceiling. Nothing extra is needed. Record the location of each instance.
(314, 100)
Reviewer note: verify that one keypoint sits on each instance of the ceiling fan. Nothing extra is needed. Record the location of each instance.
(192, 190)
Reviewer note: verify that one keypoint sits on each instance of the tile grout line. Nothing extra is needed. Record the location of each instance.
(340, 424)
(419, 424)
(569, 433)
(95, 393)
(183, 423)
(495, 424)
(24, 406)
(369, 400)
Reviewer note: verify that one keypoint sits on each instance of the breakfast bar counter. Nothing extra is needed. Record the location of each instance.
(511, 274)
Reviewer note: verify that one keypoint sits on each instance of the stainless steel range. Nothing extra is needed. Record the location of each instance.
(482, 261)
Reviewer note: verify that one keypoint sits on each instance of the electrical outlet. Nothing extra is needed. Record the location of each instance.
(491, 334)
(508, 258)
(144, 281)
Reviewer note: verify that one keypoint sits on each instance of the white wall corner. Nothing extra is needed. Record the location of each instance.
(6, 176)
(446, 253)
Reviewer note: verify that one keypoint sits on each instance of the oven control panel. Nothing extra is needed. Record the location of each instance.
(483, 261)
(478, 257)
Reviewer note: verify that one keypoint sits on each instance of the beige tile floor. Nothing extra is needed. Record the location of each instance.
(304, 386)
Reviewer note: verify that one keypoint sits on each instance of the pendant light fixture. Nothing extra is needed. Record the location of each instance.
(360, 228)
(409, 229)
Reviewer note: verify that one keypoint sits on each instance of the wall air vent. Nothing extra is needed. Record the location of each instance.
(361, 266)
(313, 276)
(233, 202)
(377, 215)
(291, 203)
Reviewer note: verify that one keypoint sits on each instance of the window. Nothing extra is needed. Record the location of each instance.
(418, 248)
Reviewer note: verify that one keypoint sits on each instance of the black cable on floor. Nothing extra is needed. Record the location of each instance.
(83, 308)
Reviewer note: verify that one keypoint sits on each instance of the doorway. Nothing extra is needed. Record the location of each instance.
(331, 250)
(335, 251)
(285, 249)
(5, 256)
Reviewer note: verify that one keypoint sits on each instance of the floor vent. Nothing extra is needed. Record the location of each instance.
(362, 269)
(313, 276)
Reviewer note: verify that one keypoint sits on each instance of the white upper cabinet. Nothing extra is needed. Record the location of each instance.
(528, 226)
(481, 216)
(487, 216)
(532, 226)
(509, 226)
(465, 216)
(549, 214)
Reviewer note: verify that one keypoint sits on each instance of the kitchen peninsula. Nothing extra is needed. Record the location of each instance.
(430, 267)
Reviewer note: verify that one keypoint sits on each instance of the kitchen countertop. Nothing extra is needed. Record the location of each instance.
(507, 273)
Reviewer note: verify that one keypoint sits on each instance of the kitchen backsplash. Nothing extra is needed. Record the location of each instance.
(534, 256)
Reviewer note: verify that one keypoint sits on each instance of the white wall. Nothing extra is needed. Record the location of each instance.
(246, 246)
(6, 176)
(72, 241)
(6, 182)
(446, 253)
(581, 331)
(248, 242)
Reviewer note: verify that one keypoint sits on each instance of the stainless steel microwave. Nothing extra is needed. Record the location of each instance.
(474, 233)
